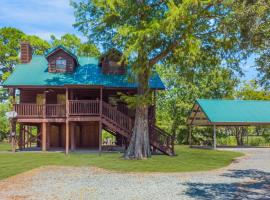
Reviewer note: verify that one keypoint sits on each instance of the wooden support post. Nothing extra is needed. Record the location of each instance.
(13, 96)
(27, 136)
(44, 104)
(100, 101)
(13, 134)
(215, 138)
(72, 137)
(190, 136)
(44, 138)
(67, 122)
(100, 138)
(67, 136)
(24, 136)
(100, 122)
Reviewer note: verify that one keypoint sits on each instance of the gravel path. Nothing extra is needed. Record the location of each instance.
(247, 178)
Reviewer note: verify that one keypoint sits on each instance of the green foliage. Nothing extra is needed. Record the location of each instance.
(252, 91)
(252, 20)
(184, 87)
(188, 160)
(180, 33)
(10, 39)
(75, 44)
(4, 124)
(9, 48)
(39, 45)
(266, 136)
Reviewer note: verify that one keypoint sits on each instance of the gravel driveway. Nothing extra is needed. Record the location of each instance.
(247, 178)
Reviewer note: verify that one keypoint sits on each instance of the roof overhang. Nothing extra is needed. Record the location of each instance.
(198, 117)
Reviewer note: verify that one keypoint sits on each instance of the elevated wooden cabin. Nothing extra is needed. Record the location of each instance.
(70, 99)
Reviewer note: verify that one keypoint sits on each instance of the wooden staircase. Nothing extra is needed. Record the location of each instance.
(117, 122)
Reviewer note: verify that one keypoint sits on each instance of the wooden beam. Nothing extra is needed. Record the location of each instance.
(44, 104)
(44, 133)
(100, 122)
(67, 122)
(67, 137)
(100, 100)
(20, 136)
(100, 138)
(197, 110)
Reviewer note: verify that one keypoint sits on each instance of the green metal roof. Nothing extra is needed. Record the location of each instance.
(235, 111)
(35, 73)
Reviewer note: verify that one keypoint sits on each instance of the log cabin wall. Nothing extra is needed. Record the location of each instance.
(28, 96)
(70, 63)
(57, 134)
(86, 135)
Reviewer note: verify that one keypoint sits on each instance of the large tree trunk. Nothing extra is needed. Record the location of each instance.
(139, 146)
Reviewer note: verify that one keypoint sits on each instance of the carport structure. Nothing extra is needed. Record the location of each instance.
(222, 113)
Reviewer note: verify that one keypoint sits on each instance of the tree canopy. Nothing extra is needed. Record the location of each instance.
(185, 34)
(75, 44)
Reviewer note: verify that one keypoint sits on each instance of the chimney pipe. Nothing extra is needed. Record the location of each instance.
(26, 52)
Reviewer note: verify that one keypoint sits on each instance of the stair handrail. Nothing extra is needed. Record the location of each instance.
(169, 139)
(118, 115)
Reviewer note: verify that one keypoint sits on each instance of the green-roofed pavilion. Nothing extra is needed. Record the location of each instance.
(219, 112)
(229, 112)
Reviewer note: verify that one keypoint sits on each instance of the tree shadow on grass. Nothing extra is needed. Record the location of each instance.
(257, 188)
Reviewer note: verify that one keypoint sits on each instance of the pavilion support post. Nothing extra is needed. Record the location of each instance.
(44, 133)
(214, 138)
(190, 136)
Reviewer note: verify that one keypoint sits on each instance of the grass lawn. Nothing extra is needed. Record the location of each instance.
(4, 146)
(187, 160)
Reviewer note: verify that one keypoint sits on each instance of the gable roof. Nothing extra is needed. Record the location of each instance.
(35, 73)
(52, 50)
(230, 112)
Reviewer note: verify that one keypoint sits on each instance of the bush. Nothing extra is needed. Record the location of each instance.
(4, 124)
(256, 141)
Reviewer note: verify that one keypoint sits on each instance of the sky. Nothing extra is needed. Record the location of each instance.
(38, 17)
(46, 17)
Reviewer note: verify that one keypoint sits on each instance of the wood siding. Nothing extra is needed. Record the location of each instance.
(61, 53)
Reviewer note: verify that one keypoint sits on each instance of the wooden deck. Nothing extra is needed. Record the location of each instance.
(109, 118)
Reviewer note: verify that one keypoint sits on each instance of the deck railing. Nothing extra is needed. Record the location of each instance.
(84, 107)
(29, 110)
(55, 110)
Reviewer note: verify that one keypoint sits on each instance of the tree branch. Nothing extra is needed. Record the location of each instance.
(164, 53)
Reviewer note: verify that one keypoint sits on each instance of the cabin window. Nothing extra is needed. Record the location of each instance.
(61, 63)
